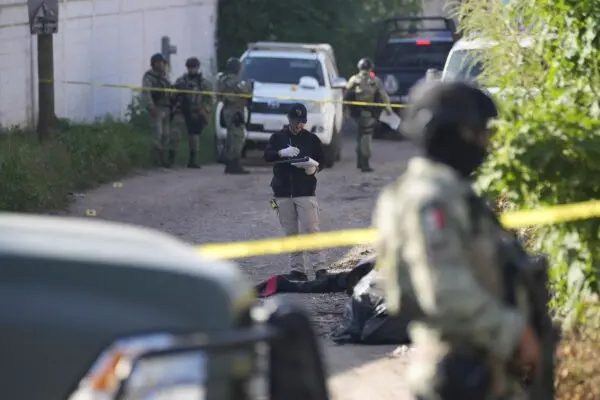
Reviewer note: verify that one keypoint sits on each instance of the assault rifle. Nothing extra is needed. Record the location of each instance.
(531, 273)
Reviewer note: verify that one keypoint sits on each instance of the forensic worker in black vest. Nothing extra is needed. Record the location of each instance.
(294, 186)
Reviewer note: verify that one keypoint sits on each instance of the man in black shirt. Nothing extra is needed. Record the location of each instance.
(294, 185)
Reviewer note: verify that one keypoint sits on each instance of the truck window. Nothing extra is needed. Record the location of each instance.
(281, 70)
(414, 54)
(464, 65)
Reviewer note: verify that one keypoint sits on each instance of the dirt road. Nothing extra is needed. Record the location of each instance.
(208, 206)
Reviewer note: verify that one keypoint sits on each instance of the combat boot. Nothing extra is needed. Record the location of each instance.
(159, 158)
(365, 167)
(237, 168)
(171, 159)
(192, 163)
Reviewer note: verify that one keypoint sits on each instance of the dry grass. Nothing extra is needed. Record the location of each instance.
(578, 369)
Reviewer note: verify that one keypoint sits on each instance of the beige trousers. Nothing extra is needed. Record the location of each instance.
(300, 215)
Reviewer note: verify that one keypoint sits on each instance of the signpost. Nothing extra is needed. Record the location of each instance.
(43, 22)
(43, 16)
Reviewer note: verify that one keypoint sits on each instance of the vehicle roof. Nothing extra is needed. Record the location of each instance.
(292, 49)
(290, 46)
(483, 43)
(283, 54)
(85, 239)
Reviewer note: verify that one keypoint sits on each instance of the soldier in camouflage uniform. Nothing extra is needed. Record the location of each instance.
(158, 105)
(436, 248)
(195, 107)
(233, 113)
(365, 87)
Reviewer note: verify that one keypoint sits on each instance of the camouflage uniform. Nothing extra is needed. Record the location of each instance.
(431, 250)
(369, 89)
(438, 247)
(194, 109)
(233, 113)
(160, 103)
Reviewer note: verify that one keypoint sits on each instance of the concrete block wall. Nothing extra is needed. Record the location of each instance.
(102, 41)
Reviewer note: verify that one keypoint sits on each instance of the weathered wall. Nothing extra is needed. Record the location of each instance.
(105, 41)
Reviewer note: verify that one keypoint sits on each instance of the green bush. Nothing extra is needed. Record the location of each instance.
(37, 177)
(547, 151)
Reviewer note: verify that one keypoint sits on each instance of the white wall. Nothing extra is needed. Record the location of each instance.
(103, 41)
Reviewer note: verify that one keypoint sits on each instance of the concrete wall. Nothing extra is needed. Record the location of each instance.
(104, 41)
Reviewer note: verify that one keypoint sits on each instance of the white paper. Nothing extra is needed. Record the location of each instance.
(309, 163)
(392, 120)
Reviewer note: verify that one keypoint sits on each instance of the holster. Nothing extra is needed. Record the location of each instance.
(238, 119)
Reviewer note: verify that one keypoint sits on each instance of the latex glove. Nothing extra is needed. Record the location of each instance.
(310, 170)
(289, 152)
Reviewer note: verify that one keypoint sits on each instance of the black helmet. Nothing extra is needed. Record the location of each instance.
(364, 64)
(233, 65)
(437, 105)
(157, 58)
(192, 62)
(297, 113)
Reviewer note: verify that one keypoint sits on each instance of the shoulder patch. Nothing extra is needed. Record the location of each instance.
(434, 225)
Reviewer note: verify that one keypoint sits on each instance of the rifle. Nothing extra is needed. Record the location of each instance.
(532, 273)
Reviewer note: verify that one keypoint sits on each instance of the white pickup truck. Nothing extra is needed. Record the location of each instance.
(286, 73)
(464, 62)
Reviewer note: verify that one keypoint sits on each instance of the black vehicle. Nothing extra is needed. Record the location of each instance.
(406, 48)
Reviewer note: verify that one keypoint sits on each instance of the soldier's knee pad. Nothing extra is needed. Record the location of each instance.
(462, 375)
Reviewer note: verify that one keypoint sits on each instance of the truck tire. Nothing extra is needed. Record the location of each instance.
(332, 152)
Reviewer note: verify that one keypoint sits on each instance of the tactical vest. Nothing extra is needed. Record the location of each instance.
(159, 81)
(365, 90)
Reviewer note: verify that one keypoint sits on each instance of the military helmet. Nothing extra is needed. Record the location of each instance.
(157, 58)
(233, 65)
(298, 113)
(192, 62)
(364, 64)
(436, 105)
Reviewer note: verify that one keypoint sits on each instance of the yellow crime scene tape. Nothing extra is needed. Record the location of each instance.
(353, 237)
(215, 93)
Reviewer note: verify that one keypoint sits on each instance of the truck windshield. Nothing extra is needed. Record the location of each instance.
(464, 65)
(281, 70)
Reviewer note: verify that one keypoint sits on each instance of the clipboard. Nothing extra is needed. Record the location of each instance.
(291, 160)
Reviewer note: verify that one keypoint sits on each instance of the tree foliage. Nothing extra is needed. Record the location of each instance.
(350, 26)
(547, 151)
